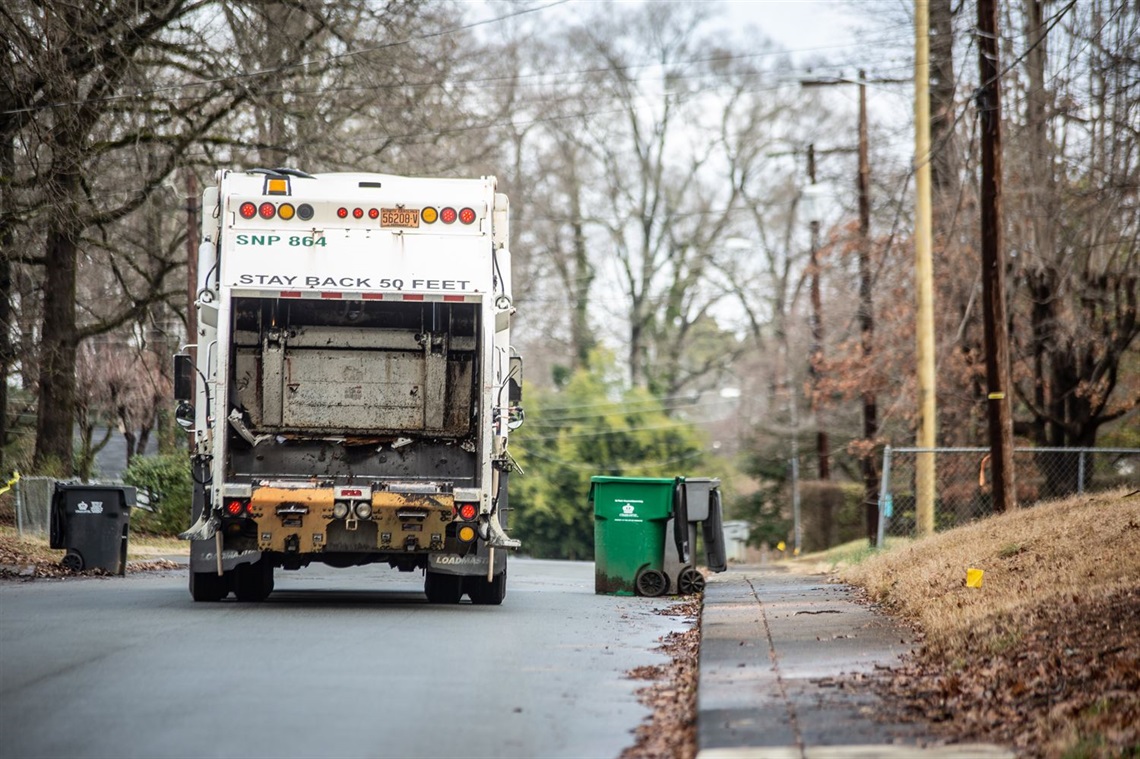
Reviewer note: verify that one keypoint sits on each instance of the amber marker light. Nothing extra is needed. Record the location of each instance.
(466, 533)
(286, 211)
(429, 215)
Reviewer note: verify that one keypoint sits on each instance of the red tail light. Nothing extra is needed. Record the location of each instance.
(236, 508)
(447, 215)
(373, 213)
(468, 511)
(267, 210)
(467, 216)
(358, 213)
(247, 210)
(342, 213)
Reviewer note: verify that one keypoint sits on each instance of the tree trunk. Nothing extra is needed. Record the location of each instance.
(55, 415)
(7, 357)
(944, 163)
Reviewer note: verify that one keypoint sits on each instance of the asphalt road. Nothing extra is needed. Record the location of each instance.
(337, 663)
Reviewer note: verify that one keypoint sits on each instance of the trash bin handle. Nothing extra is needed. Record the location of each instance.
(681, 520)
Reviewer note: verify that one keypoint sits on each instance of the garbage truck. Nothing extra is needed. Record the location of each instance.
(351, 387)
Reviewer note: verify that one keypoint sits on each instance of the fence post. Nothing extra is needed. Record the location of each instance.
(19, 510)
(1081, 472)
(884, 488)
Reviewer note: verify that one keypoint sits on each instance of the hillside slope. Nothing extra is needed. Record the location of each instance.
(1045, 655)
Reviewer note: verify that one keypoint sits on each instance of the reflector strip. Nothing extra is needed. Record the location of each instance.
(356, 296)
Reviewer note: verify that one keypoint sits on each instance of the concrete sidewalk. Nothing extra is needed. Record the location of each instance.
(772, 645)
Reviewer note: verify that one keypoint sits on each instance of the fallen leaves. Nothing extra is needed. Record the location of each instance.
(24, 565)
(671, 730)
(1070, 682)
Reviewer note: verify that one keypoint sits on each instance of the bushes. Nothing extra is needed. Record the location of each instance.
(168, 480)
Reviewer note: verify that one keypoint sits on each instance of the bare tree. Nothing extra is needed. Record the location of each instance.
(1077, 266)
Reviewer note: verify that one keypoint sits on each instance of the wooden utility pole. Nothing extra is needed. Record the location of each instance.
(993, 267)
(192, 262)
(923, 274)
(822, 445)
(867, 321)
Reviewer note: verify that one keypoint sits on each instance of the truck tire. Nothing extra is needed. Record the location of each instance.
(485, 593)
(443, 589)
(253, 582)
(208, 587)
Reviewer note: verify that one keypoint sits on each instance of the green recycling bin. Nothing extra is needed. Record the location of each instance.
(630, 516)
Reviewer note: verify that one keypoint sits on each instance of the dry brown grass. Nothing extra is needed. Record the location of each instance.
(1082, 547)
(1045, 656)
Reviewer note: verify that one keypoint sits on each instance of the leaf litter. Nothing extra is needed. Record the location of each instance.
(670, 732)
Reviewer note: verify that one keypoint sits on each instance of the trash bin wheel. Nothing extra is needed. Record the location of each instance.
(651, 582)
(486, 593)
(208, 586)
(690, 582)
(73, 561)
(443, 589)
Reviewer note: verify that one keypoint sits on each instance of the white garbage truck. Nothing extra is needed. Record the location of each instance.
(352, 386)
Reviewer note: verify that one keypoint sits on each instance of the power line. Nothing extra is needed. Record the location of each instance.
(299, 64)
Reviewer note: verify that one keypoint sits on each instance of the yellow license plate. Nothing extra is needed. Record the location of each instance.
(400, 217)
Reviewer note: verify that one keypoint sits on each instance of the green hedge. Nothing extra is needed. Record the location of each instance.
(168, 480)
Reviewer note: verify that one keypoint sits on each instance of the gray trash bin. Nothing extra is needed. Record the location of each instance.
(684, 577)
(91, 522)
(698, 493)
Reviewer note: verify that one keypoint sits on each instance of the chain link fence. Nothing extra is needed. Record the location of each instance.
(963, 484)
(33, 505)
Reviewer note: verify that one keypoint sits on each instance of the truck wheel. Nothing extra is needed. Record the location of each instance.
(488, 593)
(207, 586)
(253, 582)
(443, 589)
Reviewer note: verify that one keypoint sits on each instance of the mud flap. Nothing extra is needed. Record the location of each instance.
(473, 564)
(204, 557)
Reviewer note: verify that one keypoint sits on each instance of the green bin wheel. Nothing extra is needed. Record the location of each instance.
(690, 582)
(651, 582)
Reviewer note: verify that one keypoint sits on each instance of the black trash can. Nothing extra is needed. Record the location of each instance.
(91, 522)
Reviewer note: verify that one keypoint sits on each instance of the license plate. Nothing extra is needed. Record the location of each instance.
(400, 217)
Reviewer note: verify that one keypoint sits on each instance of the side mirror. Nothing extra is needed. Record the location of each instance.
(184, 415)
(183, 377)
(514, 379)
